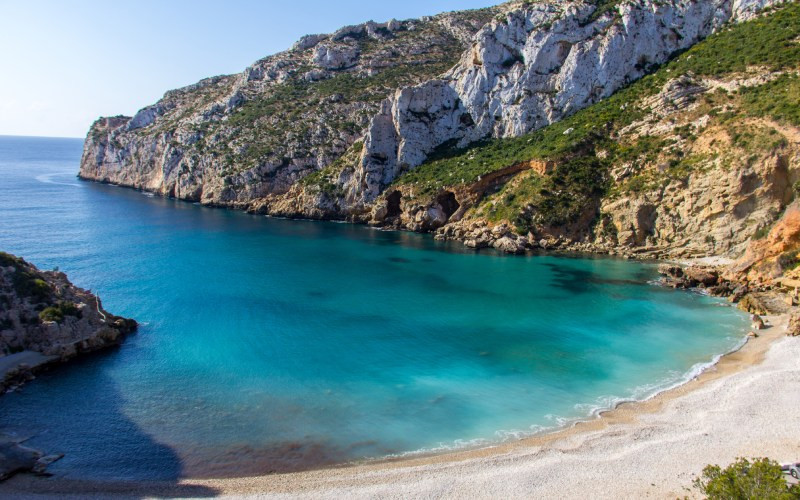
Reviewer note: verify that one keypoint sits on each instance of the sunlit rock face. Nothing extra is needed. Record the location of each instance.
(534, 66)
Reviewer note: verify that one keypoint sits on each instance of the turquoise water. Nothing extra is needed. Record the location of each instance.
(271, 345)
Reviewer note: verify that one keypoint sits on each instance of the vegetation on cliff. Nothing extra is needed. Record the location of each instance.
(284, 117)
(41, 311)
(587, 145)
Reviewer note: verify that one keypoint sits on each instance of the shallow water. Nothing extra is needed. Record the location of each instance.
(270, 345)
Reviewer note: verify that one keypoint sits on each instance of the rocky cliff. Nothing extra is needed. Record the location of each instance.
(536, 65)
(230, 140)
(44, 318)
(695, 159)
(664, 128)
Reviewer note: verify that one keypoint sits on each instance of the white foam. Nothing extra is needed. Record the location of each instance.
(48, 179)
(591, 410)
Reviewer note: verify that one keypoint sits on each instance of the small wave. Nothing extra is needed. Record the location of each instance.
(148, 194)
(502, 436)
(647, 392)
(48, 179)
(590, 410)
(695, 371)
(458, 444)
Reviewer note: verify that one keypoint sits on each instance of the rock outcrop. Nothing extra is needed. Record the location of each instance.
(540, 63)
(237, 139)
(772, 255)
(409, 124)
(44, 318)
(15, 458)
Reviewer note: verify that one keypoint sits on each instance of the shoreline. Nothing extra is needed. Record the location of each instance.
(554, 246)
(571, 423)
(749, 354)
(492, 470)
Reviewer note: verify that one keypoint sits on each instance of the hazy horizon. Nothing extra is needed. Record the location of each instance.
(73, 63)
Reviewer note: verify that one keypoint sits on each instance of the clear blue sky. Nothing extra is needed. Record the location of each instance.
(63, 64)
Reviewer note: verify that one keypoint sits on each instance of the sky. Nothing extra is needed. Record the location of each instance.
(64, 64)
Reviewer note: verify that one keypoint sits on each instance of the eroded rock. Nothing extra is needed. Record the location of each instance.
(45, 319)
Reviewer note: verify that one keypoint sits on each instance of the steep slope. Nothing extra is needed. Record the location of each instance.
(692, 160)
(547, 130)
(530, 67)
(45, 318)
(229, 140)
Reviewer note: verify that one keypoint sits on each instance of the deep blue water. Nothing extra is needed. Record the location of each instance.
(275, 345)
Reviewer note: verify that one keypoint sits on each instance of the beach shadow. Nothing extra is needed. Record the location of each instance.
(96, 437)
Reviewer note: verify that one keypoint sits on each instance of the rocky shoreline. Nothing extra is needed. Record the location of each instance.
(45, 320)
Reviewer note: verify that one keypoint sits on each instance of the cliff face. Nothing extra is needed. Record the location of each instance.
(538, 64)
(46, 317)
(230, 140)
(530, 124)
(692, 160)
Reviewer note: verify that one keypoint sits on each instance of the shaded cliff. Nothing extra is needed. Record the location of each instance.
(44, 318)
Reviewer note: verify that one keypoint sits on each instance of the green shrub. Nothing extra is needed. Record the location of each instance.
(788, 260)
(7, 260)
(778, 99)
(26, 282)
(761, 233)
(52, 313)
(769, 42)
(760, 479)
(29, 285)
(59, 311)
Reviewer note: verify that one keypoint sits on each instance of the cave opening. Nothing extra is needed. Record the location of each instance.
(448, 202)
(393, 204)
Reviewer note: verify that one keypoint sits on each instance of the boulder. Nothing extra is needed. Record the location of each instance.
(724, 289)
(763, 303)
(671, 270)
(16, 458)
(335, 57)
(508, 245)
(699, 276)
(793, 328)
(752, 304)
(434, 217)
(738, 292)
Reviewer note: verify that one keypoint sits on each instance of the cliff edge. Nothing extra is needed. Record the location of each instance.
(46, 319)
(664, 129)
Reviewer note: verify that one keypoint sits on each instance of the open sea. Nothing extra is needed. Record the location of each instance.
(273, 345)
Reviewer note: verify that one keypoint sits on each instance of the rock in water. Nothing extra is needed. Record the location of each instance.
(16, 458)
